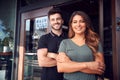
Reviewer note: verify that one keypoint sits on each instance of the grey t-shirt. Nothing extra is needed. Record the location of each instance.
(79, 54)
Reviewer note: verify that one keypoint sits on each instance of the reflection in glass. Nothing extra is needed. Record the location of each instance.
(34, 29)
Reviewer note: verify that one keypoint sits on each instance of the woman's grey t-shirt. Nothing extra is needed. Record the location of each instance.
(79, 54)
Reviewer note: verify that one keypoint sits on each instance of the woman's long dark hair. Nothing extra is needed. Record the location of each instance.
(91, 38)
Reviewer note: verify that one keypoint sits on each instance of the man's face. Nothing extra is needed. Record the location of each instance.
(56, 21)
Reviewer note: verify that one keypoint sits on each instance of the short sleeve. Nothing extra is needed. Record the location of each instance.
(42, 42)
(62, 47)
(100, 48)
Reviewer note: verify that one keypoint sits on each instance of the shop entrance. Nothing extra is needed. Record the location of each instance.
(33, 24)
(100, 20)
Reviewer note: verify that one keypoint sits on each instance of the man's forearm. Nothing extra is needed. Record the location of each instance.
(47, 62)
(43, 59)
(52, 55)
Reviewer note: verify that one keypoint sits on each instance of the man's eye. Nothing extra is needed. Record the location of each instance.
(58, 18)
(52, 19)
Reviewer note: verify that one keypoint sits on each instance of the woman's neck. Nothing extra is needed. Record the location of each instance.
(79, 37)
(79, 40)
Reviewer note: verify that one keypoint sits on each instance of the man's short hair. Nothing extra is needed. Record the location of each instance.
(54, 10)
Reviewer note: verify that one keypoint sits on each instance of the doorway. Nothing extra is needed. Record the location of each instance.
(101, 23)
(33, 24)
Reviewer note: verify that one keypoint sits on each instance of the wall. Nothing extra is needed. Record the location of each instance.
(8, 16)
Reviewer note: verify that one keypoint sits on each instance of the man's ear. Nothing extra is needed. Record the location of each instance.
(62, 21)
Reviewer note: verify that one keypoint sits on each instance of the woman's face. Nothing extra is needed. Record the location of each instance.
(78, 24)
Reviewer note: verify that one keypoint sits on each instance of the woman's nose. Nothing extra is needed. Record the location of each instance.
(78, 24)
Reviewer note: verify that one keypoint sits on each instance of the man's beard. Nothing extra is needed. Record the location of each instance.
(58, 28)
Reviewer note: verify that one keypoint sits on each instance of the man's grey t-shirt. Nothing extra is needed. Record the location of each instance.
(79, 54)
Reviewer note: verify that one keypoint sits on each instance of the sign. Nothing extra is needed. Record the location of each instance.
(41, 22)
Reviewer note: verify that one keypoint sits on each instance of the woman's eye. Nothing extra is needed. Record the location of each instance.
(82, 21)
(74, 22)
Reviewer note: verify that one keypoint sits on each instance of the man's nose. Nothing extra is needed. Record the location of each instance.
(56, 20)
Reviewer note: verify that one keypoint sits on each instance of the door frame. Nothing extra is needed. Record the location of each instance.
(21, 51)
(115, 39)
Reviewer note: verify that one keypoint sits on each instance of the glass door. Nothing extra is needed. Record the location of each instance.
(34, 29)
(33, 25)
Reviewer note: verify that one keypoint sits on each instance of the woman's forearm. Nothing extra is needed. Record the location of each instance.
(64, 64)
(85, 67)
(71, 66)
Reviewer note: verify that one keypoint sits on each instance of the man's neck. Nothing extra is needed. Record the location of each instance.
(57, 32)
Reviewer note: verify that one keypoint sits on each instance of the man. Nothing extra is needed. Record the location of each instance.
(48, 46)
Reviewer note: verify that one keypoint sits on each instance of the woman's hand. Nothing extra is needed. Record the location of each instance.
(94, 67)
(62, 57)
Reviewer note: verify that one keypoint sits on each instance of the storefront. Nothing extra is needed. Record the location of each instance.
(101, 13)
(31, 14)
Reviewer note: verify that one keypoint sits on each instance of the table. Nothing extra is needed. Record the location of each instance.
(5, 53)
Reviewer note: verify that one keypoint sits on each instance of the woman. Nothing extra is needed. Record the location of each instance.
(81, 56)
